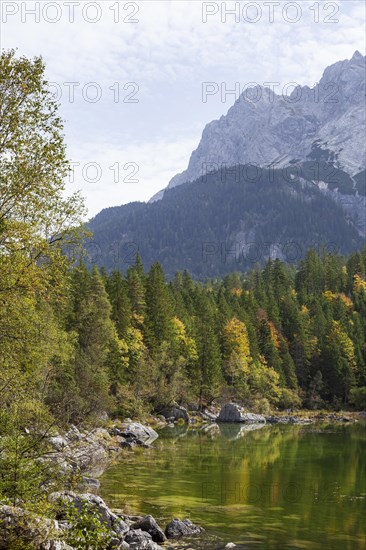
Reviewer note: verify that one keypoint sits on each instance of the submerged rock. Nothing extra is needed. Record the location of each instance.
(231, 412)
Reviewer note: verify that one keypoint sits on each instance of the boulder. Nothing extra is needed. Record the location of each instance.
(149, 525)
(175, 413)
(231, 412)
(141, 540)
(135, 430)
(181, 528)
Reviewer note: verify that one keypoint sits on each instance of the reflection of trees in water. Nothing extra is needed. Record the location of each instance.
(283, 482)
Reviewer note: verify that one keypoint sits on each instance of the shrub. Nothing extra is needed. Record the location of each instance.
(86, 528)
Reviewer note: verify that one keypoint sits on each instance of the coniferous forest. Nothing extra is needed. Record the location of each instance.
(274, 337)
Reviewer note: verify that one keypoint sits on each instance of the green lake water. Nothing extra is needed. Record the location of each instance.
(278, 487)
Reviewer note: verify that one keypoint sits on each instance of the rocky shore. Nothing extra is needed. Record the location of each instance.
(86, 454)
(120, 531)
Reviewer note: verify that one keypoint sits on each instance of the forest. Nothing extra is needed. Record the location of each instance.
(274, 337)
(76, 342)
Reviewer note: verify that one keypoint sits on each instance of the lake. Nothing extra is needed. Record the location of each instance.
(277, 487)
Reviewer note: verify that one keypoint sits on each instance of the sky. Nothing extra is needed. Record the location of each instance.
(138, 81)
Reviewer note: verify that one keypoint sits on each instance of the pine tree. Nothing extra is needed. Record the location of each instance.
(121, 307)
(159, 308)
(96, 337)
(207, 375)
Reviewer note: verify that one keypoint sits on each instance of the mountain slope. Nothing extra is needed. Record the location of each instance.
(275, 170)
(227, 221)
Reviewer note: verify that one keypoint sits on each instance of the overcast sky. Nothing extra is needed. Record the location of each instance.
(129, 75)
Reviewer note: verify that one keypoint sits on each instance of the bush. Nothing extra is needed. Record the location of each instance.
(357, 398)
(86, 528)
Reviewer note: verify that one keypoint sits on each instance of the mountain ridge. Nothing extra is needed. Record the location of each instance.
(277, 129)
(279, 172)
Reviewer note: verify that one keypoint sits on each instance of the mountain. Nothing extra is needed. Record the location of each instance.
(280, 175)
(265, 128)
(227, 221)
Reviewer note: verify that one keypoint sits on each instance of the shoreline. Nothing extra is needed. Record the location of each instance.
(88, 454)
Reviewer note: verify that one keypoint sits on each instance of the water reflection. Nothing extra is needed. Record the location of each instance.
(236, 431)
(270, 488)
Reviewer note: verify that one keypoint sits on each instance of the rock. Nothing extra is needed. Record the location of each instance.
(149, 524)
(181, 528)
(175, 413)
(19, 527)
(137, 536)
(101, 433)
(73, 433)
(127, 444)
(116, 431)
(114, 544)
(287, 420)
(58, 442)
(119, 439)
(140, 540)
(231, 412)
(135, 430)
(206, 415)
(90, 456)
(91, 482)
(230, 545)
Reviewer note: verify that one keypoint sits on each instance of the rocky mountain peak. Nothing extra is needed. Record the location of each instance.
(265, 128)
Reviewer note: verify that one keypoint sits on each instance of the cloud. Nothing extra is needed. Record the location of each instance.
(167, 55)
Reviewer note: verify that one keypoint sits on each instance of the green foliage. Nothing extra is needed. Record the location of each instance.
(87, 531)
(37, 221)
